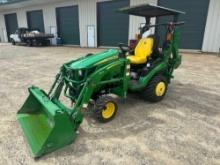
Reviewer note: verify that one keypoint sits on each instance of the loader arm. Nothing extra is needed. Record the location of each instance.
(112, 73)
(48, 124)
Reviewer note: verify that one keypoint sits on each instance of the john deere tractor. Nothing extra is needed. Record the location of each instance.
(49, 124)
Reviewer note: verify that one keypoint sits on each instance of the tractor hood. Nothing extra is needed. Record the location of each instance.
(94, 60)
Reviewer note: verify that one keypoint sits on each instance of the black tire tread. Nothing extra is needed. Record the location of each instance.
(149, 92)
(29, 43)
(100, 103)
(13, 42)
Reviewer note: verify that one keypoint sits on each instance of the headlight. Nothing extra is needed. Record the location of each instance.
(80, 73)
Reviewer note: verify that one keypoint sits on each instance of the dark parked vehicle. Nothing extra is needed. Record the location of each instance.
(30, 37)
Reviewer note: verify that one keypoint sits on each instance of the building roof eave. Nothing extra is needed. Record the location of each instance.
(7, 2)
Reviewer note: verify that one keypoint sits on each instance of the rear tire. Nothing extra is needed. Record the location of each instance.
(105, 109)
(90, 54)
(29, 43)
(45, 42)
(12, 42)
(156, 89)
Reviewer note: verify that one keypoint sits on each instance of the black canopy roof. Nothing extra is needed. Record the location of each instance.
(149, 10)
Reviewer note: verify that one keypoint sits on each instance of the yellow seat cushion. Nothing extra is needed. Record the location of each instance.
(143, 50)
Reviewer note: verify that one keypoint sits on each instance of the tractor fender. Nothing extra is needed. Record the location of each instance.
(144, 80)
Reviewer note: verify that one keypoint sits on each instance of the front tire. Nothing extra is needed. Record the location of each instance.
(45, 42)
(12, 42)
(29, 43)
(156, 89)
(105, 109)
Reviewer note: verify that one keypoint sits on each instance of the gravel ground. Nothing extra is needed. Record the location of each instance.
(182, 129)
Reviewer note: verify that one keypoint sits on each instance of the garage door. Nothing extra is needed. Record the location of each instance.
(35, 20)
(68, 24)
(196, 13)
(11, 23)
(112, 26)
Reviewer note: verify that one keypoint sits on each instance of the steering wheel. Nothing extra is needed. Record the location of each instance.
(124, 48)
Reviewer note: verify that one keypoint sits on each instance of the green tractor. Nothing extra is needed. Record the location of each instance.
(49, 124)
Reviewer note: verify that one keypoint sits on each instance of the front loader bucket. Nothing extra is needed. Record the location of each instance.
(45, 125)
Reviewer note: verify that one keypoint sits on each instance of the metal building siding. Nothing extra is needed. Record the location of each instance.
(211, 41)
(35, 20)
(11, 23)
(112, 26)
(68, 24)
(2, 24)
(22, 18)
(196, 13)
(87, 16)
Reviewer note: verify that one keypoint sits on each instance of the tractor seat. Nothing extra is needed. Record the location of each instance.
(143, 50)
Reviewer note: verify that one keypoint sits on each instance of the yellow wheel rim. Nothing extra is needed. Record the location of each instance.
(109, 110)
(160, 89)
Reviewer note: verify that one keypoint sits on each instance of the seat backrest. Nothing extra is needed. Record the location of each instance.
(144, 48)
